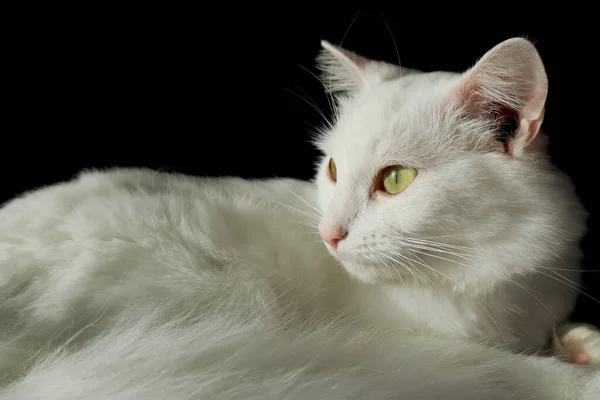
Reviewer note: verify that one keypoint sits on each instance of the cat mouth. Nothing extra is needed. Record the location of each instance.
(351, 258)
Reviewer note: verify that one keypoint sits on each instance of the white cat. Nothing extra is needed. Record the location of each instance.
(452, 249)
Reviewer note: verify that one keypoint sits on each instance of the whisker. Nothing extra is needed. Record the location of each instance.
(528, 291)
(316, 108)
(571, 286)
(433, 249)
(392, 36)
(442, 258)
(350, 26)
(388, 268)
(302, 212)
(326, 120)
(442, 245)
(434, 270)
(583, 270)
(413, 271)
(305, 202)
(328, 95)
(563, 277)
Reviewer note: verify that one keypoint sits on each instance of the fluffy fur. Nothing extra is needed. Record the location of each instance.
(129, 283)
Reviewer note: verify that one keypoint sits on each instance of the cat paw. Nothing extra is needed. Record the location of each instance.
(579, 344)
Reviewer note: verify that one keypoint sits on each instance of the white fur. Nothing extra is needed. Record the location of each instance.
(133, 284)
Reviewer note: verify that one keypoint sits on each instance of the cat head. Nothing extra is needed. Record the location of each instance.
(422, 172)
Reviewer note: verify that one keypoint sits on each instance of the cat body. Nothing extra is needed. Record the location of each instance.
(129, 283)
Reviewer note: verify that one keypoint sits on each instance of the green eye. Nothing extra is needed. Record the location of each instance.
(395, 179)
(332, 169)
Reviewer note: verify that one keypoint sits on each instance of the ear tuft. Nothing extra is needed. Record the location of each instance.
(342, 69)
(346, 71)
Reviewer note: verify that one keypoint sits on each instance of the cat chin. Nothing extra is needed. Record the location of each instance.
(363, 272)
(359, 269)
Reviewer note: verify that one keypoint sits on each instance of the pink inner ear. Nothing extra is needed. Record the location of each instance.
(517, 126)
(534, 104)
(359, 61)
(508, 124)
(478, 106)
(469, 97)
(507, 86)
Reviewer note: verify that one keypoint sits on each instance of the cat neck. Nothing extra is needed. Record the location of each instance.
(507, 312)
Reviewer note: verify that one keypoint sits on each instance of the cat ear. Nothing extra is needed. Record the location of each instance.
(509, 84)
(346, 71)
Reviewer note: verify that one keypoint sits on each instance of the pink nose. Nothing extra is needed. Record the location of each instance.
(333, 235)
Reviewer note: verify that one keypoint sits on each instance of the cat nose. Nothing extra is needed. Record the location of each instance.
(332, 235)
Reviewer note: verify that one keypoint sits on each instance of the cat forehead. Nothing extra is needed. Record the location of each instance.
(390, 121)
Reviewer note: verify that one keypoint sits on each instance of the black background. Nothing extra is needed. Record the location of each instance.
(217, 93)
